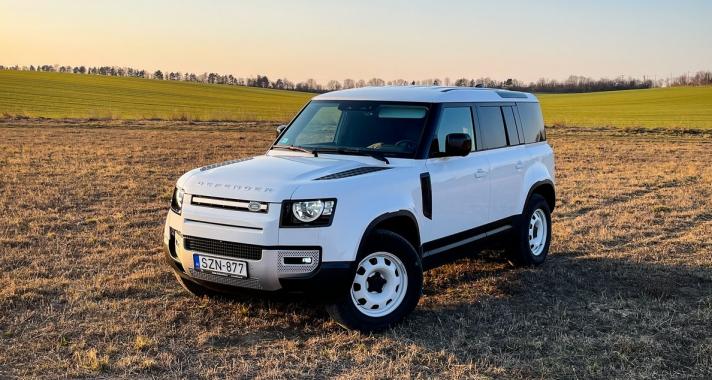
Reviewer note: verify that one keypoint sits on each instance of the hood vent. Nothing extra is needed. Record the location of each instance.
(213, 166)
(352, 172)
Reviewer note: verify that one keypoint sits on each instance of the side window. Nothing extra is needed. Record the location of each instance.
(532, 122)
(453, 120)
(492, 127)
(321, 129)
(509, 121)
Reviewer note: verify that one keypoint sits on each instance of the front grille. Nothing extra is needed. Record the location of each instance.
(223, 248)
(229, 204)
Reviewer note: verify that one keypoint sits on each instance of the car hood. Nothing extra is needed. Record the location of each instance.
(267, 178)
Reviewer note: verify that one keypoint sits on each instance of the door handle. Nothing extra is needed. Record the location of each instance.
(480, 173)
(519, 165)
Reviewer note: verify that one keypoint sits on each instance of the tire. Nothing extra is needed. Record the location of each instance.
(195, 288)
(530, 244)
(386, 285)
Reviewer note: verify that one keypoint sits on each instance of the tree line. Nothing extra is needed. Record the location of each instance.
(573, 83)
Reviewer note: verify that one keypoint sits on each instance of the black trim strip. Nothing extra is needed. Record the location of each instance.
(427, 193)
(464, 237)
(223, 224)
(469, 240)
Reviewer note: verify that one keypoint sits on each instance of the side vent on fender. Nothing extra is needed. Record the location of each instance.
(427, 193)
(352, 172)
(213, 166)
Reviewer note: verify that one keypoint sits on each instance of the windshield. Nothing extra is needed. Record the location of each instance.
(384, 128)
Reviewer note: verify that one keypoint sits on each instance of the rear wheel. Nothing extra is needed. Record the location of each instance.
(386, 285)
(530, 245)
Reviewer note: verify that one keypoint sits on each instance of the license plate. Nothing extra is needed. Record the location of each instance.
(217, 265)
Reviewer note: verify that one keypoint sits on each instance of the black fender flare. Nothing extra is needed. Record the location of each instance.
(535, 186)
(389, 215)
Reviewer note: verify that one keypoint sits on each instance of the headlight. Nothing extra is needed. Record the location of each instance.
(177, 200)
(308, 213)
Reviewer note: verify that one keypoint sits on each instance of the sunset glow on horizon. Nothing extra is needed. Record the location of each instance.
(326, 40)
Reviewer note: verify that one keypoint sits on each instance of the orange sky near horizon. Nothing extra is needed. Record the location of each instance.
(326, 40)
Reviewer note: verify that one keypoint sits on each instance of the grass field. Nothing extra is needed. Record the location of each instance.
(60, 95)
(626, 292)
(677, 107)
(56, 95)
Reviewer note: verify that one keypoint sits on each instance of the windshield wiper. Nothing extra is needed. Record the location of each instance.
(361, 152)
(296, 149)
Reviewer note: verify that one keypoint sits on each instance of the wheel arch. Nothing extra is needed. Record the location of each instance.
(546, 189)
(402, 222)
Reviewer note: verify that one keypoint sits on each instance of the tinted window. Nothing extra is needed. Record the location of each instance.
(492, 127)
(532, 122)
(511, 124)
(453, 120)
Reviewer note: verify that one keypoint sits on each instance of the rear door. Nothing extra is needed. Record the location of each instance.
(460, 185)
(500, 143)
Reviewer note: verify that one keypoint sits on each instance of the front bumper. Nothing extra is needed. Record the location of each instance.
(267, 268)
(327, 280)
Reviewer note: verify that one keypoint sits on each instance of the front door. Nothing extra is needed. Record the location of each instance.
(460, 185)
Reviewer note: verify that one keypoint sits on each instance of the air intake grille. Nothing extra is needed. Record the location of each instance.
(353, 172)
(252, 283)
(223, 248)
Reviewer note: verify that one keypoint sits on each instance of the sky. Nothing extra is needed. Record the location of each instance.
(324, 40)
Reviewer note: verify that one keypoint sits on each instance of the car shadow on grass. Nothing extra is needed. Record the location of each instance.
(573, 316)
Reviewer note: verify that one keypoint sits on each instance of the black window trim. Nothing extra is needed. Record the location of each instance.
(516, 126)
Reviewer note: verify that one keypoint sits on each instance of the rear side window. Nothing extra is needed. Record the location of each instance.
(453, 120)
(509, 121)
(532, 122)
(492, 127)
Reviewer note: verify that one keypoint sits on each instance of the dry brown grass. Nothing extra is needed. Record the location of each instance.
(627, 291)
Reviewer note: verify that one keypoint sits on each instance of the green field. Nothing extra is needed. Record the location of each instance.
(59, 95)
(56, 95)
(677, 107)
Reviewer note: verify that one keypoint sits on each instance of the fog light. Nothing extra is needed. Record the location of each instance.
(297, 260)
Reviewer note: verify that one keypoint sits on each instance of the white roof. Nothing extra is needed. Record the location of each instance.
(431, 94)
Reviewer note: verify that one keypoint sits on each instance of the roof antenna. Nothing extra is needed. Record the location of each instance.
(479, 85)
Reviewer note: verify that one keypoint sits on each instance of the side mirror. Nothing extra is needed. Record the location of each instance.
(458, 144)
(280, 129)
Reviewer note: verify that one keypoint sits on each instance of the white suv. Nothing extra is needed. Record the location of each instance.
(364, 189)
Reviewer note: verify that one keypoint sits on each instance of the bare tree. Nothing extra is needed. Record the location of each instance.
(376, 82)
(333, 85)
(349, 83)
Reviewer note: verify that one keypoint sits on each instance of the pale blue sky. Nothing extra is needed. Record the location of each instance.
(362, 39)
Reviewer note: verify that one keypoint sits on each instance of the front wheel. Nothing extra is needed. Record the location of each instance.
(386, 285)
(530, 245)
